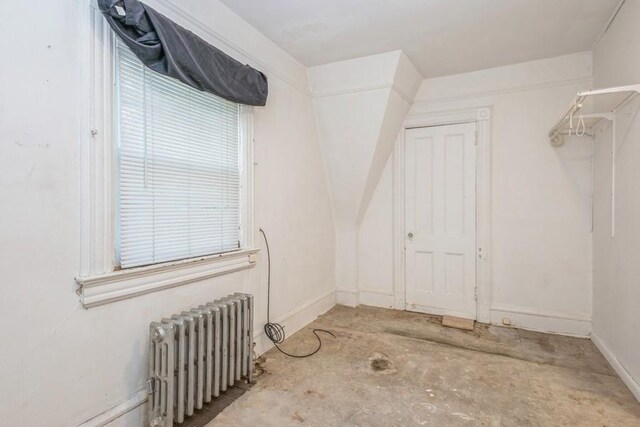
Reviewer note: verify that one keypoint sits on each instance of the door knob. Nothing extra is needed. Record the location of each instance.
(410, 235)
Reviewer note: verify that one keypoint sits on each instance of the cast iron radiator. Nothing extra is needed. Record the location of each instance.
(194, 356)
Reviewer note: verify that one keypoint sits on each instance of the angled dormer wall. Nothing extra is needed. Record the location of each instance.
(360, 105)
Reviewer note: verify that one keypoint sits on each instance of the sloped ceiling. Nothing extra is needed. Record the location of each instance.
(349, 126)
(360, 105)
(441, 37)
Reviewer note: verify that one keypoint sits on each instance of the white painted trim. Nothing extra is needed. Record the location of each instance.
(376, 298)
(349, 91)
(521, 310)
(481, 116)
(99, 282)
(484, 218)
(622, 372)
(435, 310)
(398, 216)
(555, 323)
(376, 291)
(247, 176)
(117, 411)
(97, 153)
(504, 91)
(118, 285)
(397, 88)
(348, 297)
(296, 320)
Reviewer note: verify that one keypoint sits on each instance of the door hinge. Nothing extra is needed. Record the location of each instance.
(475, 293)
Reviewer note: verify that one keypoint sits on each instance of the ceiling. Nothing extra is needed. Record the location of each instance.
(441, 37)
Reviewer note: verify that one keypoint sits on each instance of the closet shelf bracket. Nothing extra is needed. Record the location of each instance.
(589, 109)
(586, 113)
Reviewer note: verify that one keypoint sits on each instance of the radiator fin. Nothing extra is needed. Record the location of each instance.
(196, 355)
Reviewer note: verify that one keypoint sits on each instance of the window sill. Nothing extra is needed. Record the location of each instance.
(119, 285)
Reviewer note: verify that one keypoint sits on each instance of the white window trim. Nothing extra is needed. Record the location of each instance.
(98, 280)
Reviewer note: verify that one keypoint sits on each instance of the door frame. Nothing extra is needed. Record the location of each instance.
(481, 116)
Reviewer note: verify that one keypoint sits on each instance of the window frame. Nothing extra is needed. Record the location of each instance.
(100, 281)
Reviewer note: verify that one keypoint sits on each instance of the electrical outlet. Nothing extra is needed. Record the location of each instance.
(506, 321)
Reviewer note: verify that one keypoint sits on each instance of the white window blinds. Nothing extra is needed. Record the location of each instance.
(178, 190)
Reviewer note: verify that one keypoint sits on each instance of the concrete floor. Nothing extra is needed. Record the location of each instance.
(394, 368)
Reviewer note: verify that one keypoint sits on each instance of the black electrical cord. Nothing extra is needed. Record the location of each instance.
(275, 331)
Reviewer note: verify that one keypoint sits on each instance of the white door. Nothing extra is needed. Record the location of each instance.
(441, 220)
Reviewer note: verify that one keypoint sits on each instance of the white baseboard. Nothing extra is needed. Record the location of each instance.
(347, 297)
(416, 308)
(629, 381)
(292, 321)
(483, 313)
(120, 410)
(542, 322)
(376, 299)
(296, 320)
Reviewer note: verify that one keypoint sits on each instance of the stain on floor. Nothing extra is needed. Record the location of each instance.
(380, 365)
(395, 368)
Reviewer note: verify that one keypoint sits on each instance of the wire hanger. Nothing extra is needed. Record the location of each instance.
(581, 127)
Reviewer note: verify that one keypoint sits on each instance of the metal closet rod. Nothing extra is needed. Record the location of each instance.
(555, 135)
(581, 97)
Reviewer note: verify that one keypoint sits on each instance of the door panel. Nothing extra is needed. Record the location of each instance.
(440, 219)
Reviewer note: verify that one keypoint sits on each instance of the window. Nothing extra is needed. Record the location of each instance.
(178, 159)
(166, 178)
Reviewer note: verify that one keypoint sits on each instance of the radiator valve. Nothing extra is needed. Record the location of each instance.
(158, 335)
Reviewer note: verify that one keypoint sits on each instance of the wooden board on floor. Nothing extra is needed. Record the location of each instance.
(458, 322)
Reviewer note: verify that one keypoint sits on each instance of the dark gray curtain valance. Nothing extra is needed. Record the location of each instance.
(169, 49)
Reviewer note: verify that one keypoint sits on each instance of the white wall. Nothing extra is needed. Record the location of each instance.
(359, 105)
(60, 364)
(541, 210)
(375, 246)
(616, 267)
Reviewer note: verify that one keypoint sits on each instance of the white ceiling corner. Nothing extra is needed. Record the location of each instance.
(441, 37)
